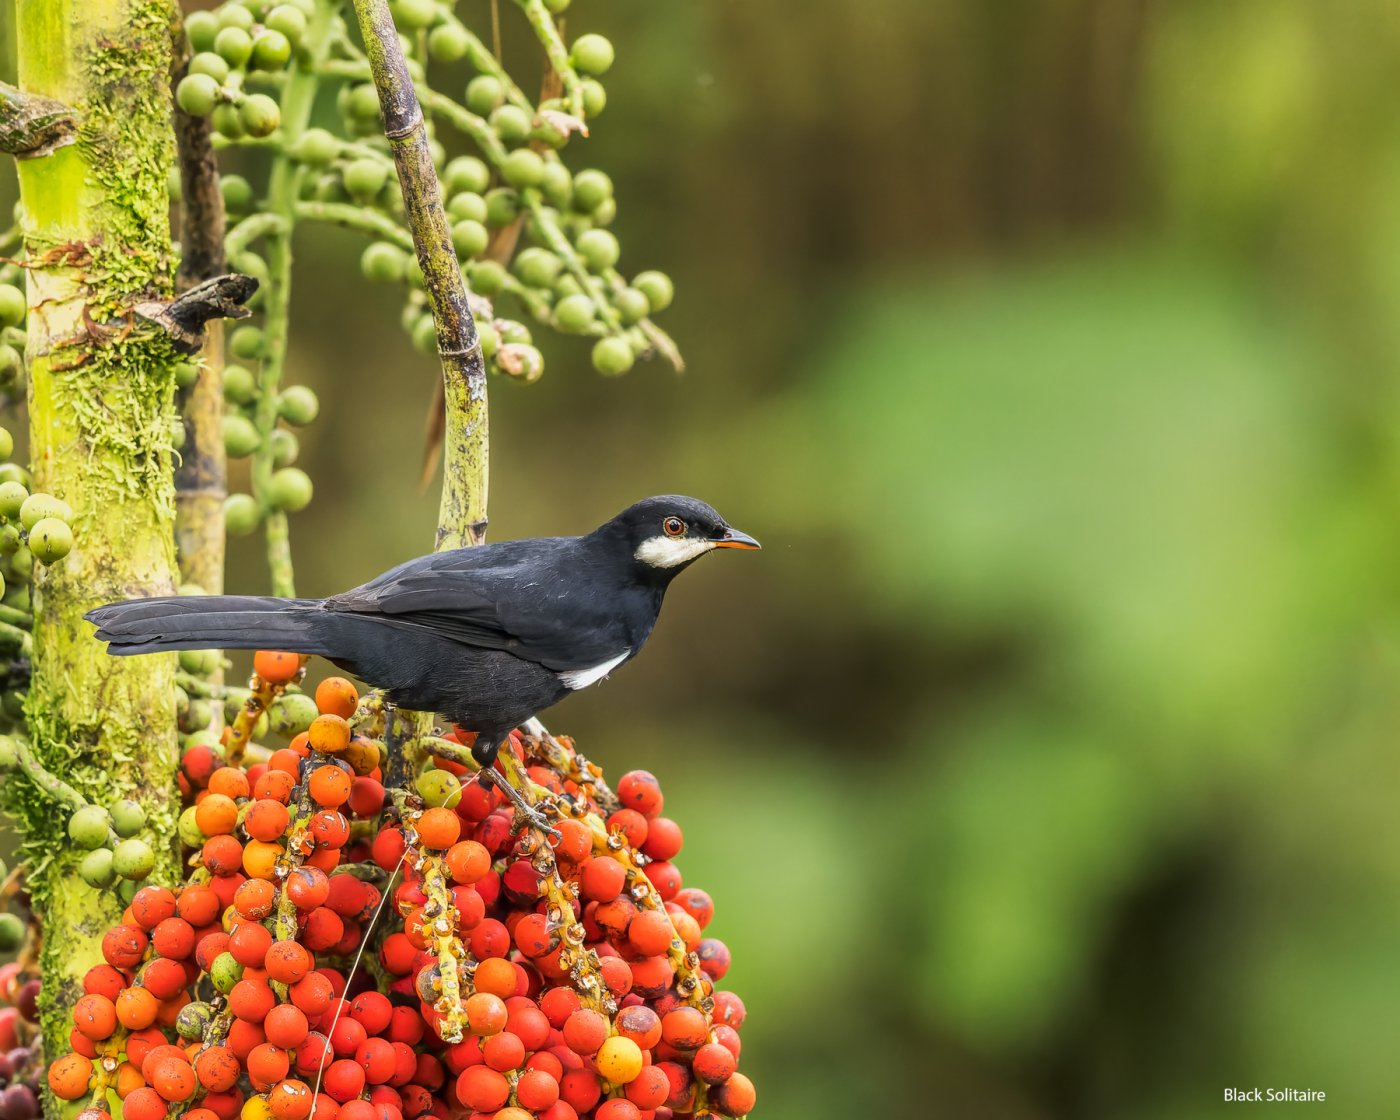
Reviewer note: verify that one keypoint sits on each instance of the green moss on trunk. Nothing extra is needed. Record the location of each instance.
(101, 414)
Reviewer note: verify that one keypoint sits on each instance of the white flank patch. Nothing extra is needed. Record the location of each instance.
(576, 679)
(670, 552)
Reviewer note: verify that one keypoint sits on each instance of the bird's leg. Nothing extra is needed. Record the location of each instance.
(513, 783)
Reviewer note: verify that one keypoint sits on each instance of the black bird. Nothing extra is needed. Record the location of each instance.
(487, 636)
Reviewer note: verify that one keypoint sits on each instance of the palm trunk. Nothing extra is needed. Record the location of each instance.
(101, 386)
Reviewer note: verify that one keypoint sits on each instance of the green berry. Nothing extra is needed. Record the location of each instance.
(413, 14)
(38, 506)
(470, 238)
(10, 361)
(466, 205)
(329, 188)
(199, 662)
(362, 103)
(537, 267)
(289, 20)
(439, 788)
(241, 436)
(240, 385)
(197, 94)
(289, 489)
(271, 50)
(606, 212)
(657, 287)
(298, 405)
(12, 931)
(365, 178)
(523, 168)
(10, 540)
(210, 64)
(96, 868)
(485, 94)
(490, 341)
(466, 173)
(128, 818)
(512, 123)
(89, 827)
(574, 314)
(13, 306)
(486, 277)
(237, 191)
(194, 1020)
(558, 184)
(595, 97)
(235, 45)
(382, 263)
(12, 498)
(259, 115)
(448, 42)
(412, 271)
(591, 189)
(424, 335)
(236, 15)
(9, 754)
(291, 714)
(225, 972)
(200, 29)
(316, 147)
(592, 54)
(133, 859)
(50, 540)
(502, 206)
(632, 305)
(185, 827)
(598, 248)
(285, 447)
(520, 361)
(612, 356)
(248, 343)
(226, 122)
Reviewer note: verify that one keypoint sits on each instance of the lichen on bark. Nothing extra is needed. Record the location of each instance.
(101, 388)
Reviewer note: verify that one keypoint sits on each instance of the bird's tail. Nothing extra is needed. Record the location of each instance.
(211, 622)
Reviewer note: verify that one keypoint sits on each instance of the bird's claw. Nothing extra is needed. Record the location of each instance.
(524, 811)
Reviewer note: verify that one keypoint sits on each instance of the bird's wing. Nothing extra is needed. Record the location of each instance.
(532, 602)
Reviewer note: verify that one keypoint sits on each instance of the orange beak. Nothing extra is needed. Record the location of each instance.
(732, 538)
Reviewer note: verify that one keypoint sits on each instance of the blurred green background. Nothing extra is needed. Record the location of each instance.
(1043, 764)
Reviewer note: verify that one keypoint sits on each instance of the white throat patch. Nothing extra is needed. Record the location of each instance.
(670, 552)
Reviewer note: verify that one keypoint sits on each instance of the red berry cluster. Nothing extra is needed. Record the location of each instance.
(343, 951)
(21, 1045)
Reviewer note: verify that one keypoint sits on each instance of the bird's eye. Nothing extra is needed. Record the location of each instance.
(674, 526)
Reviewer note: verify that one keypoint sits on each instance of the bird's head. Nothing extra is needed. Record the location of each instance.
(667, 533)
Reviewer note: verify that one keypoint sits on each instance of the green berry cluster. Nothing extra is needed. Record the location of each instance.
(288, 488)
(115, 850)
(236, 50)
(13, 308)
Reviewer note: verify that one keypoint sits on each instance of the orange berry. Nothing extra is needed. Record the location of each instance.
(288, 962)
(336, 696)
(276, 666)
(468, 862)
(171, 1076)
(290, 1100)
(129, 1079)
(439, 828)
(267, 1064)
(69, 1076)
(260, 859)
(136, 1008)
(650, 932)
(255, 899)
(274, 785)
(216, 814)
(329, 734)
(144, 1104)
(330, 785)
(95, 1016)
(217, 1068)
(486, 1013)
(230, 781)
(495, 975)
(266, 820)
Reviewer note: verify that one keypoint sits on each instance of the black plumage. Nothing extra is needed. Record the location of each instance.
(487, 636)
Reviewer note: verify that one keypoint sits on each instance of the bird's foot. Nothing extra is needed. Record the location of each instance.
(531, 815)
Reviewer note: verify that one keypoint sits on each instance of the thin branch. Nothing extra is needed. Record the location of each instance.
(462, 513)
